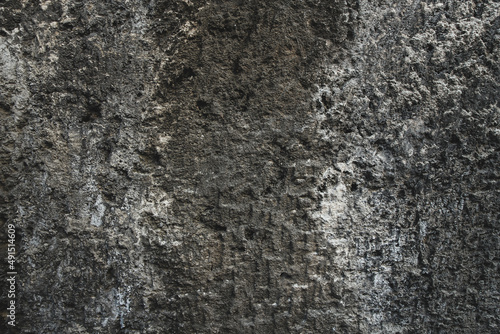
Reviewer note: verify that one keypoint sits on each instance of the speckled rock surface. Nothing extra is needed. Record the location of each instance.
(252, 167)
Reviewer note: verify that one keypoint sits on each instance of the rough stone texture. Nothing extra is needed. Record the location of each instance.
(252, 167)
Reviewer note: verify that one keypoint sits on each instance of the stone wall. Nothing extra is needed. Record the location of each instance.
(237, 166)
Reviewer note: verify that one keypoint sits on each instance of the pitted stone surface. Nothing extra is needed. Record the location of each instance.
(252, 167)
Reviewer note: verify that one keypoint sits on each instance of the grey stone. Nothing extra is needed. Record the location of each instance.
(252, 167)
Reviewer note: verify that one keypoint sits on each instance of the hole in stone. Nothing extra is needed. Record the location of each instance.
(201, 104)
(455, 140)
(93, 112)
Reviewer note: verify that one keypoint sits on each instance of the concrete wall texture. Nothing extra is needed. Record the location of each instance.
(229, 166)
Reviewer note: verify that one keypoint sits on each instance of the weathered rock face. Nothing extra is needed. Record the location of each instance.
(252, 167)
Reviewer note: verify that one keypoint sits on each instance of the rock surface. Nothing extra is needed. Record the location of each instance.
(237, 166)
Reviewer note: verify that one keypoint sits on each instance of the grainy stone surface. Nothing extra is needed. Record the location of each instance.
(252, 167)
